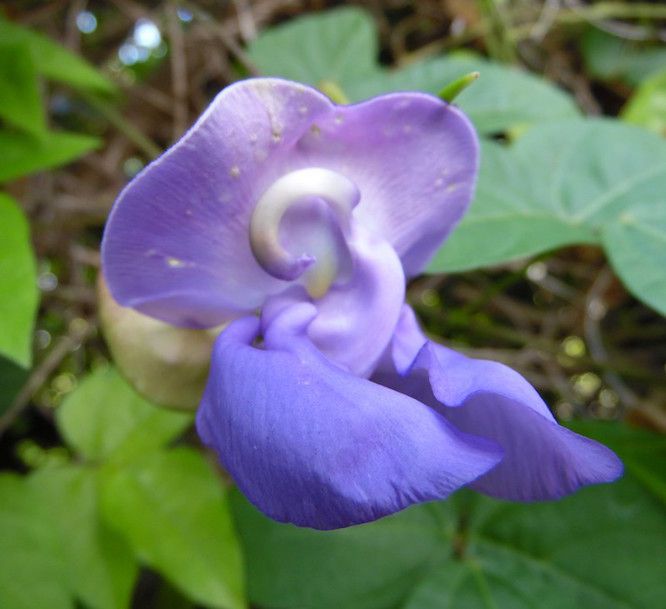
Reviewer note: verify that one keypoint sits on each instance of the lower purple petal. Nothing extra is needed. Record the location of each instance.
(542, 459)
(313, 445)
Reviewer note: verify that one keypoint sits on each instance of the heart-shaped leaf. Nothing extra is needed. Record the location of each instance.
(570, 183)
(340, 46)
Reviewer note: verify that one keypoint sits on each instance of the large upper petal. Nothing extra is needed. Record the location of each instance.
(414, 159)
(542, 460)
(313, 445)
(176, 245)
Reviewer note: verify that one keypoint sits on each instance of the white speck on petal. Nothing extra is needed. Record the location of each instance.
(315, 130)
(234, 172)
(303, 109)
(338, 119)
(266, 94)
(175, 263)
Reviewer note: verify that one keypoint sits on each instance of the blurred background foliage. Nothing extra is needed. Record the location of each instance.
(108, 502)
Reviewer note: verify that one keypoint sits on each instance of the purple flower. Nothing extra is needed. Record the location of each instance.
(330, 407)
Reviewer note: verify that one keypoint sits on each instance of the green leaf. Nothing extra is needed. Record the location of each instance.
(338, 45)
(32, 568)
(502, 97)
(54, 61)
(647, 107)
(105, 419)
(636, 245)
(595, 550)
(18, 284)
(566, 183)
(598, 549)
(22, 153)
(611, 58)
(100, 568)
(12, 378)
(173, 510)
(19, 90)
(363, 567)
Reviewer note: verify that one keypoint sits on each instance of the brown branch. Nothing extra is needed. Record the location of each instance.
(78, 333)
(178, 71)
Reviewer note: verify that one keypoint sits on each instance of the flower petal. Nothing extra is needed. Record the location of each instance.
(407, 341)
(177, 241)
(356, 320)
(315, 446)
(414, 159)
(176, 245)
(542, 460)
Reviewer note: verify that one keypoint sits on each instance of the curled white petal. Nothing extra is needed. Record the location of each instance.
(340, 193)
